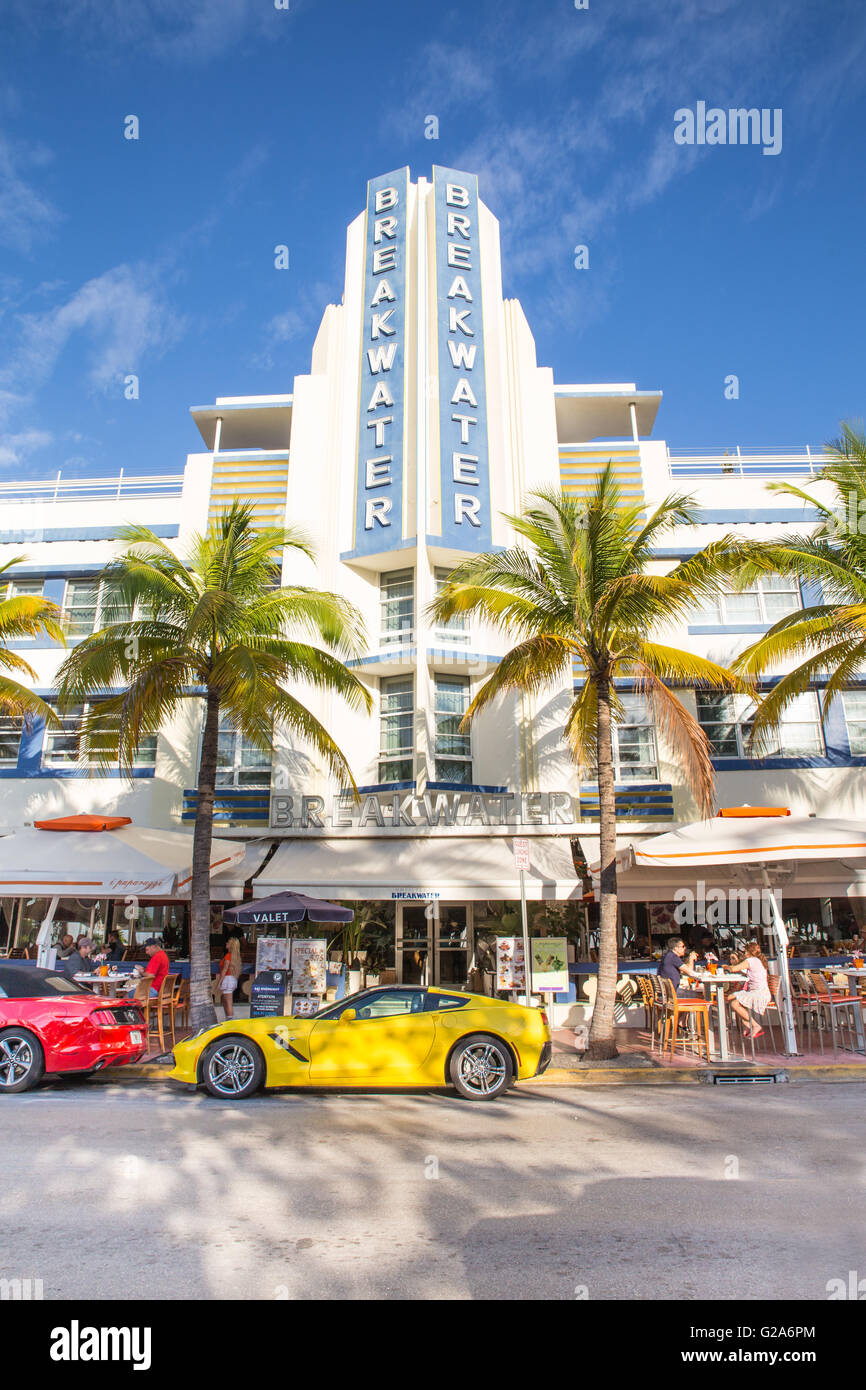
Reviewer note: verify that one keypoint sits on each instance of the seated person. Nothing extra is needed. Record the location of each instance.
(113, 949)
(707, 948)
(80, 960)
(66, 947)
(157, 965)
(673, 966)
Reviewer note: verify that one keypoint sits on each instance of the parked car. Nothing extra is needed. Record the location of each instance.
(51, 1025)
(396, 1035)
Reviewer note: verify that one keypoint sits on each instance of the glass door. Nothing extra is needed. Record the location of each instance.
(414, 944)
(452, 941)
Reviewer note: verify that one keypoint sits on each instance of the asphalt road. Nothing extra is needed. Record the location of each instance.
(127, 1191)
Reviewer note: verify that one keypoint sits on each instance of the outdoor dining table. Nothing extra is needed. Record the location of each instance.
(125, 981)
(714, 984)
(853, 977)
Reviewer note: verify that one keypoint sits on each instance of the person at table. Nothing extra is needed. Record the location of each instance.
(755, 997)
(673, 964)
(157, 964)
(80, 960)
(113, 949)
(708, 948)
(66, 947)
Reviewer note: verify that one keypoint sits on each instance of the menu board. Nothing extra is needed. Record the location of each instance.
(549, 963)
(510, 973)
(271, 953)
(309, 967)
(305, 1008)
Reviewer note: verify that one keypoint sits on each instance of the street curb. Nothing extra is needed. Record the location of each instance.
(590, 1076)
(684, 1076)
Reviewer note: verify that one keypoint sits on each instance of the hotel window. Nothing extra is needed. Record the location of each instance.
(13, 590)
(854, 704)
(452, 750)
(634, 741)
(10, 737)
(397, 605)
(88, 605)
(239, 762)
(396, 721)
(727, 722)
(457, 628)
(65, 746)
(769, 599)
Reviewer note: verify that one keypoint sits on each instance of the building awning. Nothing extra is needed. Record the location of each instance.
(132, 860)
(417, 869)
(806, 856)
(227, 883)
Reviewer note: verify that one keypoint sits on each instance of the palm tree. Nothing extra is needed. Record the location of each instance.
(22, 618)
(580, 592)
(213, 626)
(828, 637)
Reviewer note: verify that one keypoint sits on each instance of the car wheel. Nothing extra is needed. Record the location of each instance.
(232, 1067)
(22, 1061)
(481, 1067)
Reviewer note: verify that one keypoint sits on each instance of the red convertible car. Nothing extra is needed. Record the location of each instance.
(49, 1024)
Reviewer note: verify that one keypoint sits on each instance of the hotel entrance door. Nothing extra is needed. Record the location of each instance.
(434, 943)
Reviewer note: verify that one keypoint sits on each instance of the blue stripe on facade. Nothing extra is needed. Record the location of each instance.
(34, 534)
(710, 516)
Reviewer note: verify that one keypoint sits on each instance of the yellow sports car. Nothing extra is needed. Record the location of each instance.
(398, 1035)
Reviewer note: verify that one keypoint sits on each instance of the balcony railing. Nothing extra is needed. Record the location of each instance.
(719, 462)
(122, 485)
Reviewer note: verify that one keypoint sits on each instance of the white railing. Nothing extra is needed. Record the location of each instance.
(62, 489)
(719, 462)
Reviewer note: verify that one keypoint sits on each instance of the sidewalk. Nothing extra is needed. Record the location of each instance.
(637, 1065)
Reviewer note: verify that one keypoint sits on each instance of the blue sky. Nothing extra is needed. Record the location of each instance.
(261, 126)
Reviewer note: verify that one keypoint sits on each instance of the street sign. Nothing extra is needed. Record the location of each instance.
(521, 854)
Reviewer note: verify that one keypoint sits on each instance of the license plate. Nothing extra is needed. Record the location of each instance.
(135, 1037)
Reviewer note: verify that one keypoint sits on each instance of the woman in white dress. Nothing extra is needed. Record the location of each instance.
(755, 997)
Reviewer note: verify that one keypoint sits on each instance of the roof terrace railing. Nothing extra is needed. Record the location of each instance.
(62, 489)
(719, 462)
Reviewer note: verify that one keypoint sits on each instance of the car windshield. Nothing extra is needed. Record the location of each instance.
(25, 983)
(351, 1001)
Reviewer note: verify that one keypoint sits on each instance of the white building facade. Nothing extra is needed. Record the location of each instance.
(424, 420)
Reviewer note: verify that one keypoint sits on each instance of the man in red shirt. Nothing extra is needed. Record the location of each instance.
(157, 966)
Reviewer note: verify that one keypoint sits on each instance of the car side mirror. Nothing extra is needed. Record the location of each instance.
(348, 1016)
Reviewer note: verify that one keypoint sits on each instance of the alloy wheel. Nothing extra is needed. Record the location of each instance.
(16, 1059)
(482, 1068)
(230, 1069)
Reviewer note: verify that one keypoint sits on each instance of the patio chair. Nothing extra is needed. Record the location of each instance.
(181, 1004)
(675, 1009)
(142, 997)
(648, 1000)
(836, 1006)
(164, 1007)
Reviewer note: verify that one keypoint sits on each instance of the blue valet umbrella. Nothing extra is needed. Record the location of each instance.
(285, 909)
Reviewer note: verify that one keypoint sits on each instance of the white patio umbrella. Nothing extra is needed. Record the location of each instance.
(98, 857)
(816, 856)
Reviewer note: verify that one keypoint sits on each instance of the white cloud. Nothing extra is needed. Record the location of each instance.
(15, 449)
(119, 320)
(26, 215)
(177, 30)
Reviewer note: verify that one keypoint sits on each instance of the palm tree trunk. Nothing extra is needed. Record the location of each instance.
(202, 1013)
(602, 1044)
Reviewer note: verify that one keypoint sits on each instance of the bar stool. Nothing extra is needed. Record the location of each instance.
(677, 1008)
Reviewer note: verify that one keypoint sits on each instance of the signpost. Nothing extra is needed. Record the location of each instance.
(521, 863)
